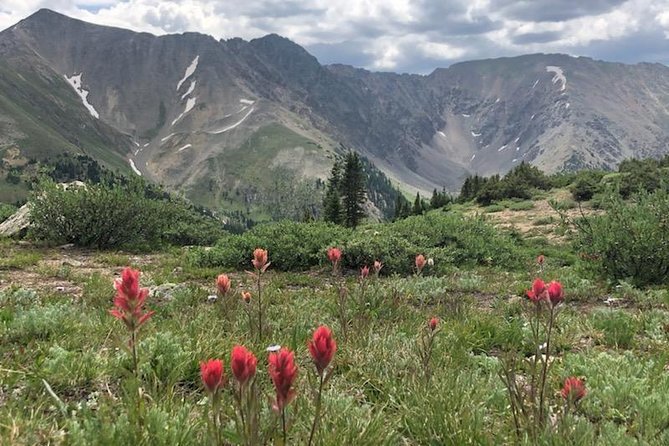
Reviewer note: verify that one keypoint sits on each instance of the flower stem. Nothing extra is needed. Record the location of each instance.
(259, 307)
(133, 341)
(283, 424)
(545, 365)
(318, 409)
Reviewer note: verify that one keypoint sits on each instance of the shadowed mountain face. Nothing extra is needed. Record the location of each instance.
(196, 114)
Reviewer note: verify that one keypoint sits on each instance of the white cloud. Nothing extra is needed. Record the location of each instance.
(404, 35)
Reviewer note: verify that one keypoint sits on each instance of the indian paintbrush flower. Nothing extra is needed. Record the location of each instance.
(283, 371)
(334, 256)
(129, 300)
(129, 307)
(434, 322)
(322, 348)
(377, 267)
(223, 284)
(538, 291)
(259, 260)
(212, 375)
(420, 262)
(243, 364)
(555, 293)
(364, 272)
(573, 389)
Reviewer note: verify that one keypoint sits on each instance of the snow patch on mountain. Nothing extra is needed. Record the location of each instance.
(189, 71)
(191, 87)
(134, 168)
(184, 147)
(190, 103)
(559, 76)
(230, 127)
(75, 82)
(247, 101)
(442, 133)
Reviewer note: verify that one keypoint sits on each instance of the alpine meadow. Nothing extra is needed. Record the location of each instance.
(208, 239)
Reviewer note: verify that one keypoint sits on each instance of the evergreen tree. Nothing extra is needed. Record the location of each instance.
(352, 189)
(402, 207)
(417, 205)
(332, 208)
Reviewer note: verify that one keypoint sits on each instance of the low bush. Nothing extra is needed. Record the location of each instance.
(116, 214)
(445, 237)
(630, 241)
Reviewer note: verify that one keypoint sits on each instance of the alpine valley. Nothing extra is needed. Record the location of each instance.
(224, 120)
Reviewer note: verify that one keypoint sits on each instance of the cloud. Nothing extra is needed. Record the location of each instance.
(554, 11)
(399, 35)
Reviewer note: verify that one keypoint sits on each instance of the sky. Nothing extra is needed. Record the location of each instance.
(414, 36)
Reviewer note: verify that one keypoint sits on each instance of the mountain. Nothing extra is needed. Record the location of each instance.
(221, 120)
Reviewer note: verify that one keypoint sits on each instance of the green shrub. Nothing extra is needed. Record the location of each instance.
(291, 246)
(6, 211)
(630, 241)
(446, 237)
(586, 185)
(618, 327)
(494, 208)
(115, 214)
(522, 206)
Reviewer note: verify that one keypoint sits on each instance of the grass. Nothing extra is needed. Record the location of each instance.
(65, 375)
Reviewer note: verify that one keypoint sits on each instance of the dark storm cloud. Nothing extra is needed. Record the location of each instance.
(542, 37)
(552, 10)
(341, 53)
(448, 18)
(268, 8)
(646, 46)
(166, 19)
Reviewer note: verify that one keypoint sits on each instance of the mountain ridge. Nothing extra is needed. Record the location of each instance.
(424, 131)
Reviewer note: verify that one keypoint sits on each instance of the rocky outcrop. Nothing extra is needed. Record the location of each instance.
(16, 224)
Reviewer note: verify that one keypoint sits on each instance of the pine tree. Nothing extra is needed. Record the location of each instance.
(417, 205)
(332, 209)
(352, 189)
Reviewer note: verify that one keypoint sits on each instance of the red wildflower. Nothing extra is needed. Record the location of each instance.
(223, 284)
(364, 272)
(246, 295)
(538, 291)
(283, 372)
(573, 389)
(377, 267)
(334, 255)
(540, 259)
(129, 300)
(420, 262)
(433, 323)
(212, 374)
(260, 259)
(243, 364)
(322, 348)
(555, 293)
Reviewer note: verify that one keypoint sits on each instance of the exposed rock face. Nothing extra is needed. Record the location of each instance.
(17, 223)
(179, 108)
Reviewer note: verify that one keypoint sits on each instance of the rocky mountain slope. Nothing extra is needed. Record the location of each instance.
(212, 117)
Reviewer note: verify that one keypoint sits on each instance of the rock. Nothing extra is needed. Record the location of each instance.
(212, 298)
(17, 223)
(73, 263)
(166, 291)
